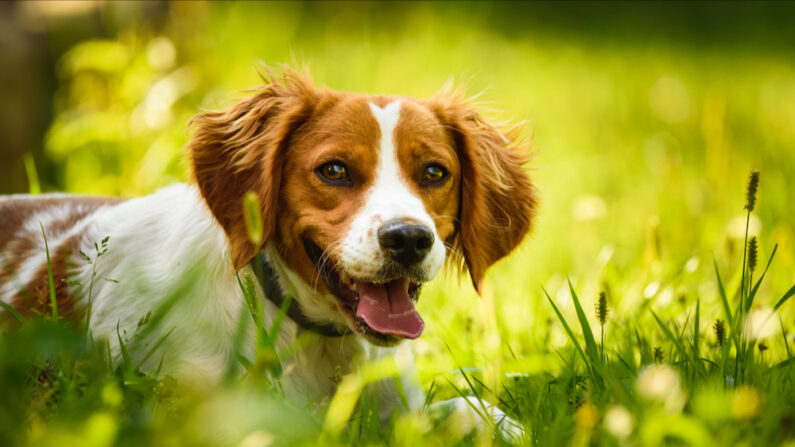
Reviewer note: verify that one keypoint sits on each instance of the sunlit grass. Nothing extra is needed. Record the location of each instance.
(641, 153)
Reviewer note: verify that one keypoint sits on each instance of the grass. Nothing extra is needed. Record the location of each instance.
(695, 386)
(642, 141)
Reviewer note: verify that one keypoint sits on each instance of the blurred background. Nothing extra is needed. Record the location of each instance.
(647, 118)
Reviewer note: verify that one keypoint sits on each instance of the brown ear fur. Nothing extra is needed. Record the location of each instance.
(498, 200)
(241, 149)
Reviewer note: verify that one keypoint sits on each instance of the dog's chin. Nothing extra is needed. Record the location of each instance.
(343, 287)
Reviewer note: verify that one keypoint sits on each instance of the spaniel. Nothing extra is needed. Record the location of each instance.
(341, 206)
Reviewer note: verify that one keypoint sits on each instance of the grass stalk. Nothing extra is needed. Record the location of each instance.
(50, 280)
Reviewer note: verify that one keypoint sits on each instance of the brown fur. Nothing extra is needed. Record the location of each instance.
(272, 141)
(242, 149)
(498, 200)
(17, 245)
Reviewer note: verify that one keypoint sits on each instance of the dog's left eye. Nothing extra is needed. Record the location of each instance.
(334, 172)
(433, 174)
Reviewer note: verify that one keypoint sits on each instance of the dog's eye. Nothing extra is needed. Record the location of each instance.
(433, 174)
(334, 172)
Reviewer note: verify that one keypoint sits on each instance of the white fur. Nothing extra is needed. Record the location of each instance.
(166, 248)
(389, 198)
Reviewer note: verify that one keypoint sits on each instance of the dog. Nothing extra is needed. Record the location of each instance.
(341, 205)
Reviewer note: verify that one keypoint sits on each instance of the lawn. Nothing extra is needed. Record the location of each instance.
(647, 122)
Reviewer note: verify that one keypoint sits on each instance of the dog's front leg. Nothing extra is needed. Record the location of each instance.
(467, 413)
(470, 413)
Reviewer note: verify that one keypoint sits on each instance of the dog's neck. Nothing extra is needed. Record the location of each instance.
(314, 370)
(274, 292)
(312, 305)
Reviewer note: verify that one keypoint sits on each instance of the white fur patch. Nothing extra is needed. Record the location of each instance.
(389, 198)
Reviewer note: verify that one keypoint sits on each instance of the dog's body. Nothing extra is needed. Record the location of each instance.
(359, 200)
(163, 246)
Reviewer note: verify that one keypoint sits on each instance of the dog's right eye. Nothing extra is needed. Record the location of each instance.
(334, 172)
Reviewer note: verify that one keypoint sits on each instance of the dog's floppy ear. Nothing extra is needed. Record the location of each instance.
(242, 149)
(498, 200)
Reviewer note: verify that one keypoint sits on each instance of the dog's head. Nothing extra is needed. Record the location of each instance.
(363, 197)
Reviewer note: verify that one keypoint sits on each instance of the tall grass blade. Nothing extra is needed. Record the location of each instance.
(482, 413)
(696, 327)
(50, 280)
(566, 327)
(726, 308)
(784, 335)
(752, 294)
(240, 335)
(34, 186)
(680, 347)
(590, 342)
(784, 298)
(278, 319)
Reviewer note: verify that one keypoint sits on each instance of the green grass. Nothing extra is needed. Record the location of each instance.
(643, 138)
(62, 386)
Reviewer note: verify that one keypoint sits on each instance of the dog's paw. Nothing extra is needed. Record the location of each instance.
(470, 413)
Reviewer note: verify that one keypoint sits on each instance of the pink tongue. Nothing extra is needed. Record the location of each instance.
(387, 308)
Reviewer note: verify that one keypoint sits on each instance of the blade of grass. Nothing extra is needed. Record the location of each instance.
(696, 327)
(123, 348)
(590, 342)
(461, 393)
(677, 342)
(278, 319)
(244, 361)
(469, 382)
(726, 309)
(785, 363)
(784, 298)
(255, 306)
(566, 327)
(51, 281)
(784, 336)
(745, 256)
(153, 349)
(752, 294)
(240, 334)
(34, 187)
(10, 309)
(642, 348)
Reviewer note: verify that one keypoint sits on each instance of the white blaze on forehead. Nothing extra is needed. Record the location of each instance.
(389, 198)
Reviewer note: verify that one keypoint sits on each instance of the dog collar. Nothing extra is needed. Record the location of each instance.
(266, 276)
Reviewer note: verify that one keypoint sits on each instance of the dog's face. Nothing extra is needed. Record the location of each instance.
(369, 196)
(363, 197)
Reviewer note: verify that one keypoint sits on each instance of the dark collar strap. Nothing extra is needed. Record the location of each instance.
(273, 292)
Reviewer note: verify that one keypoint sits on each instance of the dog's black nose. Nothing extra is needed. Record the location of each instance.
(408, 243)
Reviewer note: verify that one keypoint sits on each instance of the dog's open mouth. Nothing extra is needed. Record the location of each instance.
(381, 310)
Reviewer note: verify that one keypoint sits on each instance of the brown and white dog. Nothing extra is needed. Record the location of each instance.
(362, 200)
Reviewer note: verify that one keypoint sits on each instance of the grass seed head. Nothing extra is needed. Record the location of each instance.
(752, 254)
(658, 354)
(601, 308)
(720, 332)
(762, 347)
(750, 191)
